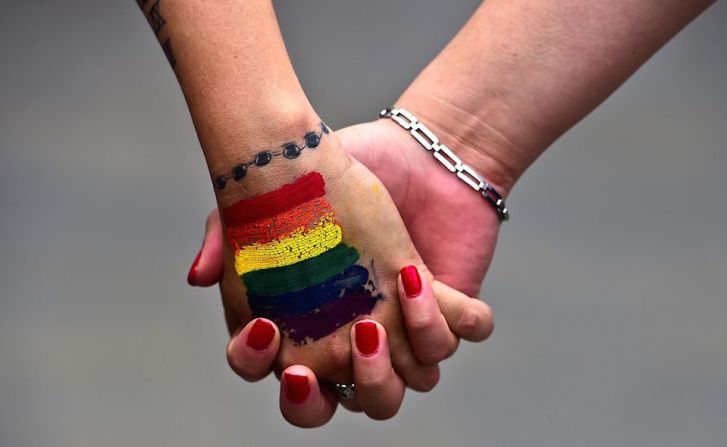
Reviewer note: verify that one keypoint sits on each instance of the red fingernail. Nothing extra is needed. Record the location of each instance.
(367, 338)
(411, 280)
(261, 335)
(192, 275)
(297, 388)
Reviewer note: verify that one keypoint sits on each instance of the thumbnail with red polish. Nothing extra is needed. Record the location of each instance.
(261, 335)
(297, 388)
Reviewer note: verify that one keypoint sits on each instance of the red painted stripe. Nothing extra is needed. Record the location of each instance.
(264, 230)
(288, 196)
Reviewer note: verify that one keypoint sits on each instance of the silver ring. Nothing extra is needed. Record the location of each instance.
(346, 391)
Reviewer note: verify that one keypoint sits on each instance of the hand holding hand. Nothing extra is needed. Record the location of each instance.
(467, 318)
(304, 401)
(350, 219)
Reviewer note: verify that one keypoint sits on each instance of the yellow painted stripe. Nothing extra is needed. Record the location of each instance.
(300, 245)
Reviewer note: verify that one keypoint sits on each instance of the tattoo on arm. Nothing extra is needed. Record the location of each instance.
(155, 18)
(289, 150)
(167, 47)
(157, 22)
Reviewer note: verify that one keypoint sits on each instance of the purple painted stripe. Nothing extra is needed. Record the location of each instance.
(324, 321)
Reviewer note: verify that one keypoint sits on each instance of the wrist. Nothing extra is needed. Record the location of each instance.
(478, 138)
(238, 124)
(428, 140)
(276, 155)
(235, 131)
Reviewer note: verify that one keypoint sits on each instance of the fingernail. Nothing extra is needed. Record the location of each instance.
(411, 280)
(192, 275)
(261, 335)
(297, 388)
(367, 338)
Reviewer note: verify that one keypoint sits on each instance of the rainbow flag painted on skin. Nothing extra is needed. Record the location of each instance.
(289, 253)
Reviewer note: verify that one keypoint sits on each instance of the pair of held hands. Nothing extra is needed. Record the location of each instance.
(453, 234)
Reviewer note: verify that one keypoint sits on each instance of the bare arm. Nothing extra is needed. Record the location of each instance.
(523, 72)
(234, 71)
(312, 241)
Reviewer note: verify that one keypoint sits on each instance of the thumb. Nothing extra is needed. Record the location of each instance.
(469, 318)
(207, 268)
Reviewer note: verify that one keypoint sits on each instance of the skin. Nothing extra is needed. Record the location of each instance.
(380, 390)
(372, 225)
(243, 96)
(521, 73)
(431, 320)
(517, 76)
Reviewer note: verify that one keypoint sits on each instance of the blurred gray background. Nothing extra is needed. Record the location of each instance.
(609, 285)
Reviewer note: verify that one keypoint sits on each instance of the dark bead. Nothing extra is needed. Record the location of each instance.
(312, 140)
(263, 158)
(291, 150)
(324, 128)
(239, 172)
(221, 182)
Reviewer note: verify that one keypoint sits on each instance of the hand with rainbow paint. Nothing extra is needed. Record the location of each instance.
(495, 93)
(432, 320)
(317, 253)
(312, 240)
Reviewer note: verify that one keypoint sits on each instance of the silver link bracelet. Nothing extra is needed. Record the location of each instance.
(447, 158)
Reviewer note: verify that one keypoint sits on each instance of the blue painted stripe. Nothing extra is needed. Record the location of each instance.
(351, 280)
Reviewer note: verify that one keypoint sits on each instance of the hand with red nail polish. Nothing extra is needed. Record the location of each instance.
(304, 252)
(435, 315)
(380, 389)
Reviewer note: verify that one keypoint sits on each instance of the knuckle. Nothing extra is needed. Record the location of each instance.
(469, 322)
(435, 352)
(435, 344)
(452, 348)
(425, 380)
(432, 354)
(476, 324)
(421, 324)
(372, 382)
(383, 414)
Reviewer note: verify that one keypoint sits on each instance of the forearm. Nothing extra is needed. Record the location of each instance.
(522, 72)
(234, 71)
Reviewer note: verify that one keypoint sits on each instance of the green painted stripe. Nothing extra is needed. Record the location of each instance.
(298, 276)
